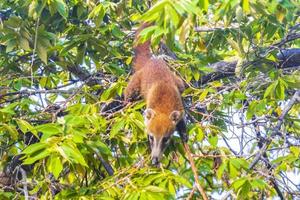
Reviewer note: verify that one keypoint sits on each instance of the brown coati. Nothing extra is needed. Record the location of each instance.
(161, 89)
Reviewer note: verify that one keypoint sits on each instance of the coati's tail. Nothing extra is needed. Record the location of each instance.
(142, 50)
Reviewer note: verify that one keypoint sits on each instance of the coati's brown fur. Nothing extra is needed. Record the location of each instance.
(161, 89)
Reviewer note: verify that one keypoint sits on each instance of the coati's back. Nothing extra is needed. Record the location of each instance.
(160, 88)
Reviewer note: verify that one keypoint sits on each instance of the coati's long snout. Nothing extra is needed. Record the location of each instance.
(158, 146)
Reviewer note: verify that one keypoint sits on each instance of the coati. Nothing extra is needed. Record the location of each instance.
(161, 89)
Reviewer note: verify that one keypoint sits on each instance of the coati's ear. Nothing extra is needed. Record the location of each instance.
(149, 113)
(175, 116)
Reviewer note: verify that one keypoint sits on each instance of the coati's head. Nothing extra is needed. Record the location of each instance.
(160, 128)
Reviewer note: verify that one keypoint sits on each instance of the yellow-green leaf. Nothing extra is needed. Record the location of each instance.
(42, 53)
(24, 43)
(55, 165)
(246, 6)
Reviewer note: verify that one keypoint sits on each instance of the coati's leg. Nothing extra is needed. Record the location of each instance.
(132, 91)
(181, 128)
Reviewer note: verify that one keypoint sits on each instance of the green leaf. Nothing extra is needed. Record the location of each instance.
(179, 8)
(196, 129)
(10, 45)
(203, 94)
(54, 165)
(239, 14)
(280, 159)
(233, 171)
(246, 6)
(42, 52)
(40, 155)
(244, 191)
(173, 14)
(258, 183)
(183, 181)
(133, 196)
(156, 9)
(24, 43)
(10, 109)
(32, 8)
(154, 196)
(239, 163)
(97, 13)
(251, 110)
(146, 33)
(189, 7)
(116, 128)
(221, 169)
(152, 188)
(34, 148)
(204, 4)
(171, 188)
(110, 92)
(239, 183)
(35, 8)
(292, 81)
(48, 130)
(61, 7)
(270, 90)
(12, 131)
(45, 82)
(151, 177)
(280, 89)
(235, 46)
(73, 153)
(26, 127)
(117, 32)
(213, 140)
(99, 146)
(295, 150)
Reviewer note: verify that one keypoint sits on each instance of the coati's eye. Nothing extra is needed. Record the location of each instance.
(150, 138)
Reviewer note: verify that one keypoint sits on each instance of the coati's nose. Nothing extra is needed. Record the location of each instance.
(155, 161)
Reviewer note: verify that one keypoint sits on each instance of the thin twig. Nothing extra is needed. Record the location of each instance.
(213, 156)
(33, 92)
(212, 29)
(197, 183)
(191, 194)
(266, 160)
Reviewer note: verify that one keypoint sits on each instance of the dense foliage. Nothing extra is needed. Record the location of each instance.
(65, 131)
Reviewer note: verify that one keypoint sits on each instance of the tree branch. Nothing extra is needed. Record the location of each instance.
(83, 75)
(287, 58)
(106, 165)
(294, 99)
(25, 188)
(194, 169)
